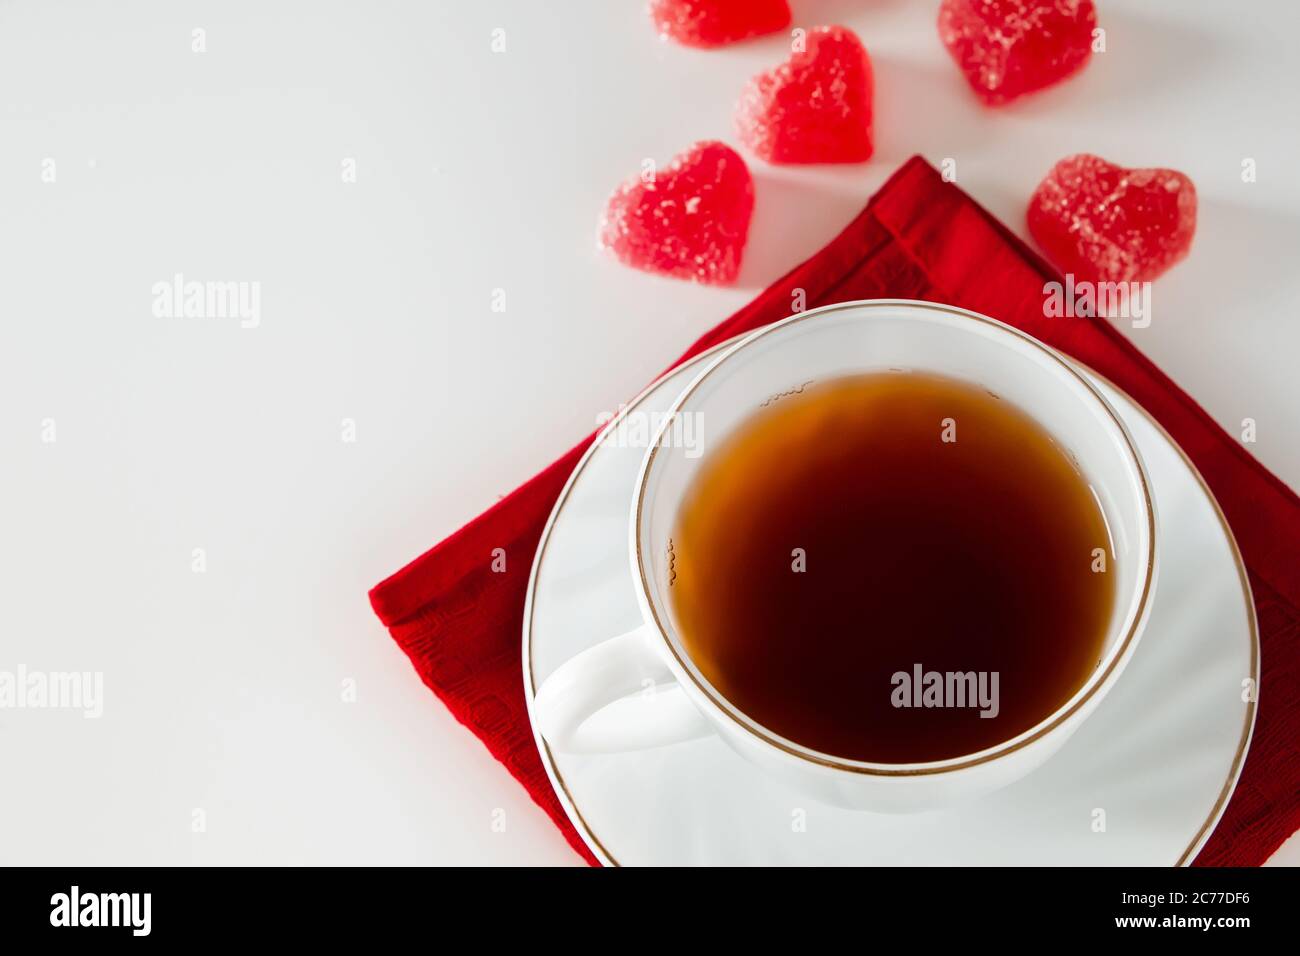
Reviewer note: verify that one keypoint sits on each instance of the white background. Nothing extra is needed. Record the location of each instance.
(475, 171)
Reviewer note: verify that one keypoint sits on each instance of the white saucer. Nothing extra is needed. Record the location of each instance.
(1155, 765)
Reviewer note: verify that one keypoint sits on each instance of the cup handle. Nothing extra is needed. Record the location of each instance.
(616, 696)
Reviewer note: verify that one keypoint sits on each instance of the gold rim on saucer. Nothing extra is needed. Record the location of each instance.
(575, 814)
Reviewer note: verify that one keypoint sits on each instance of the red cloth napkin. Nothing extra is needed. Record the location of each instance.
(919, 238)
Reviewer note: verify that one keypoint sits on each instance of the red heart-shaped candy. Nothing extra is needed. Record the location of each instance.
(710, 23)
(689, 219)
(813, 108)
(1102, 222)
(1007, 48)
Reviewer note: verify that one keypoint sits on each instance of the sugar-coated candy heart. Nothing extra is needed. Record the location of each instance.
(689, 219)
(1102, 222)
(710, 23)
(813, 108)
(1007, 48)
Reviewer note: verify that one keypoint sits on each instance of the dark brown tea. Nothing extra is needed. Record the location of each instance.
(894, 567)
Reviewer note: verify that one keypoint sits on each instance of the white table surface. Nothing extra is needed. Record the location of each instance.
(476, 171)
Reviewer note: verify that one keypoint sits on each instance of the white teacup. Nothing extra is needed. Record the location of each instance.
(641, 689)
